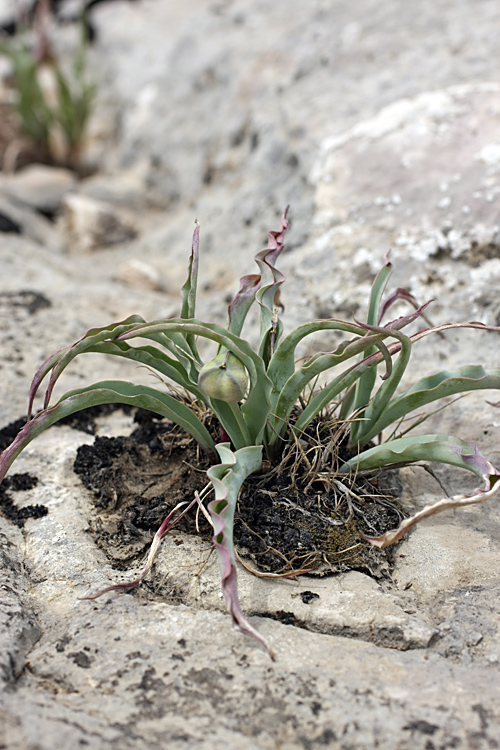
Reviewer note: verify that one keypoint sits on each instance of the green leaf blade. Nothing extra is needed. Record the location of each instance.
(59, 363)
(109, 392)
(317, 365)
(155, 359)
(190, 287)
(153, 400)
(282, 364)
(431, 448)
(362, 430)
(241, 304)
(366, 383)
(434, 388)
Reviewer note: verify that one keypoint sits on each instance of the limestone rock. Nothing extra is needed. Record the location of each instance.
(352, 605)
(90, 225)
(139, 274)
(126, 188)
(157, 665)
(392, 182)
(19, 629)
(9, 11)
(18, 218)
(39, 186)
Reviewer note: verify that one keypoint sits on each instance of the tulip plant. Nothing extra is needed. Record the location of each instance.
(54, 103)
(255, 394)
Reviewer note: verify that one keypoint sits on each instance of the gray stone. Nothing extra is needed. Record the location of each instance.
(150, 682)
(240, 95)
(379, 188)
(90, 225)
(40, 186)
(157, 667)
(135, 272)
(21, 219)
(352, 605)
(71, 10)
(126, 187)
(9, 10)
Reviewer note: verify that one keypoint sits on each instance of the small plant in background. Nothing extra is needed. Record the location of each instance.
(53, 101)
(264, 400)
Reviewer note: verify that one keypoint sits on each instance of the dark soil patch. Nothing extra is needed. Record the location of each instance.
(284, 520)
(9, 432)
(17, 483)
(284, 526)
(136, 480)
(85, 421)
(25, 299)
(280, 524)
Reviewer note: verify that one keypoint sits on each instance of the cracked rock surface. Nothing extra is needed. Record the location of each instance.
(379, 123)
(19, 630)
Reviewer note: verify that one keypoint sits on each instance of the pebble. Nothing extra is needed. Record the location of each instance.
(90, 225)
(139, 274)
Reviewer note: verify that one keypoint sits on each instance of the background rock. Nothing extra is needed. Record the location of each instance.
(40, 186)
(19, 218)
(394, 182)
(137, 273)
(91, 225)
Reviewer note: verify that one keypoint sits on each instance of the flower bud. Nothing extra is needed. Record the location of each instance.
(224, 378)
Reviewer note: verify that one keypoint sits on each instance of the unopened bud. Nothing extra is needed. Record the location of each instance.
(224, 378)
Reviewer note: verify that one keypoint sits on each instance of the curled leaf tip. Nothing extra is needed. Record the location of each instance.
(376, 541)
(480, 495)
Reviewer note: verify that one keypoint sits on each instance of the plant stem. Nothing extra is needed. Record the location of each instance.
(245, 433)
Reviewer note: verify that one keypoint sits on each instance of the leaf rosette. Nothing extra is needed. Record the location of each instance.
(257, 395)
